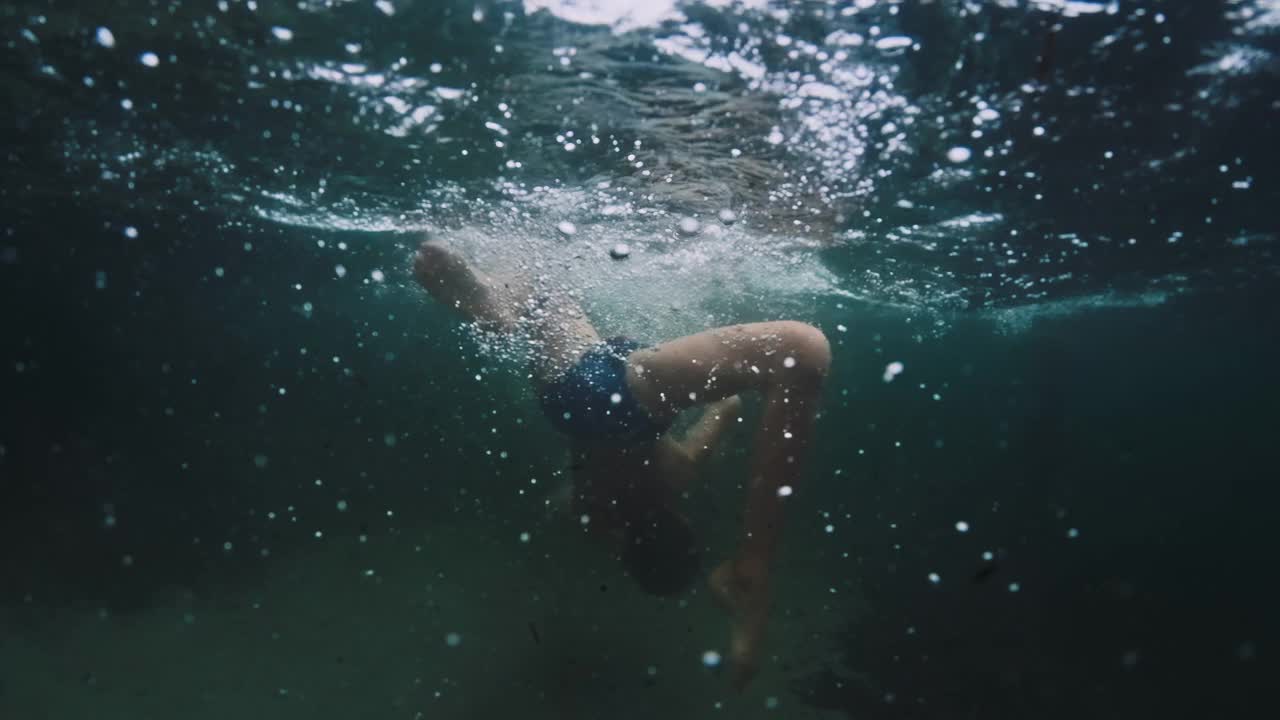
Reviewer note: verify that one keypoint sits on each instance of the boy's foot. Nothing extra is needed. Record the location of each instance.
(745, 596)
(445, 274)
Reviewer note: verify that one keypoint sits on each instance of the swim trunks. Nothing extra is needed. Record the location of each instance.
(591, 401)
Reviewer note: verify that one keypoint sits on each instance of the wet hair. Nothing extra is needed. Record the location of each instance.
(661, 551)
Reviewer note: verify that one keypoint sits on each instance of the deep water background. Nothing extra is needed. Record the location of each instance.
(204, 423)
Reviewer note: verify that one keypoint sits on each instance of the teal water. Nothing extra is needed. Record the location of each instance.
(250, 469)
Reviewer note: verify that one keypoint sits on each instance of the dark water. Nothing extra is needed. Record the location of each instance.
(1060, 217)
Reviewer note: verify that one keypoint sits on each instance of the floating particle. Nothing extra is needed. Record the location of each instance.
(1015, 587)
(615, 398)
(711, 658)
(962, 526)
(340, 270)
(621, 251)
(984, 572)
(893, 42)
(378, 276)
(1037, 131)
(771, 702)
(988, 556)
(453, 639)
(935, 578)
(785, 491)
(524, 537)
(389, 439)
(689, 226)
(566, 228)
(842, 328)
(775, 137)
(131, 232)
(342, 506)
(959, 154)
(893, 370)
(1073, 533)
(100, 280)
(149, 59)
(105, 38)
(282, 34)
(260, 461)
(788, 362)
(727, 216)
(386, 7)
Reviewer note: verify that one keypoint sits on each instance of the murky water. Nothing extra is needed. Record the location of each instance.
(1056, 218)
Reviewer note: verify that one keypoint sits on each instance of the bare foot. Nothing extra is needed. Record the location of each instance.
(745, 596)
(446, 275)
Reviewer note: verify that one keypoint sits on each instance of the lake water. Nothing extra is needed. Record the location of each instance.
(250, 469)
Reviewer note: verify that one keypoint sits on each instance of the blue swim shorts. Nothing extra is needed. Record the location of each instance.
(591, 402)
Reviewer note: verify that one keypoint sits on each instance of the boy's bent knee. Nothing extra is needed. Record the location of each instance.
(808, 349)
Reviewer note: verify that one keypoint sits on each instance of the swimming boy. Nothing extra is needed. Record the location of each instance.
(615, 400)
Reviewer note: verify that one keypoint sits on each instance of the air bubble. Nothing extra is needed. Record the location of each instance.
(893, 370)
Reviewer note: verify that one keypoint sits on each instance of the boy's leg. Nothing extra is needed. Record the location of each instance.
(558, 328)
(451, 281)
(787, 362)
(703, 438)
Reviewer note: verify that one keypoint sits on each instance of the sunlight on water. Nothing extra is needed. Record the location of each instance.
(642, 125)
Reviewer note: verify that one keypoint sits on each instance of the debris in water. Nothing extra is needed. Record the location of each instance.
(621, 251)
(985, 572)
